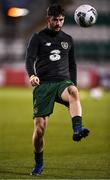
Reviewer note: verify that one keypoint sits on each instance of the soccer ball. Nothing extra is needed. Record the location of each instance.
(85, 15)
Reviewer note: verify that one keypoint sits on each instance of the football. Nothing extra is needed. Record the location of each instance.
(85, 15)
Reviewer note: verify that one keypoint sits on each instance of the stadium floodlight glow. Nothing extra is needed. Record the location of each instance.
(17, 12)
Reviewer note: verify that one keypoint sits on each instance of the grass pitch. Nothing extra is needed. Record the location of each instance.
(63, 158)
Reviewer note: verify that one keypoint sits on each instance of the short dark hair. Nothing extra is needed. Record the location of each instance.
(55, 10)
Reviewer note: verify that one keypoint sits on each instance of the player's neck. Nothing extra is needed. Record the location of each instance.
(52, 31)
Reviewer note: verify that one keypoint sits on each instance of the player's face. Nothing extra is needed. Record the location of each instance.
(55, 23)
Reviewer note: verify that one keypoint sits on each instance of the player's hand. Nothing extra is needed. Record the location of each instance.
(34, 80)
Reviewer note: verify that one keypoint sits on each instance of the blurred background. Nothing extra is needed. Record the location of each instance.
(89, 159)
(20, 18)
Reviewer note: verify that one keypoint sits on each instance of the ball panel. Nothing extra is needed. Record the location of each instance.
(85, 15)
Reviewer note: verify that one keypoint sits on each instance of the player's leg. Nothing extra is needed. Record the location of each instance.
(43, 104)
(71, 95)
(40, 124)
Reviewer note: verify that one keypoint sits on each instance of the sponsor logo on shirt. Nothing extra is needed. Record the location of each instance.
(48, 44)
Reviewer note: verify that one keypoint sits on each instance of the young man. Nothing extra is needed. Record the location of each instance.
(51, 67)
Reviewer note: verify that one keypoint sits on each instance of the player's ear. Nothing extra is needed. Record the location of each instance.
(48, 18)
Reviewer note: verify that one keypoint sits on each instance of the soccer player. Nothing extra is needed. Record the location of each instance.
(51, 68)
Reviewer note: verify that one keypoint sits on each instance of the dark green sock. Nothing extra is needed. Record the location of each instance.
(76, 122)
(38, 157)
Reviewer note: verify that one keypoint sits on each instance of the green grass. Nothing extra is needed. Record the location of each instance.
(63, 158)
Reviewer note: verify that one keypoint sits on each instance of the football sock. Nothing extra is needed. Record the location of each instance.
(38, 157)
(76, 123)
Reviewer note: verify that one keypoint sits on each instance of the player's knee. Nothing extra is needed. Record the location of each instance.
(39, 127)
(40, 131)
(73, 92)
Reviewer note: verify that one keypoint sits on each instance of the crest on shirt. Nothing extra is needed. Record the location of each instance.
(35, 110)
(64, 45)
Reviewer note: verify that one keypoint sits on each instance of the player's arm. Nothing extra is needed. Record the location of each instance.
(72, 64)
(31, 56)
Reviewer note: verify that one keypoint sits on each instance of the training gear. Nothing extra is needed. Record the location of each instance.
(81, 133)
(85, 15)
(45, 96)
(37, 170)
(50, 54)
